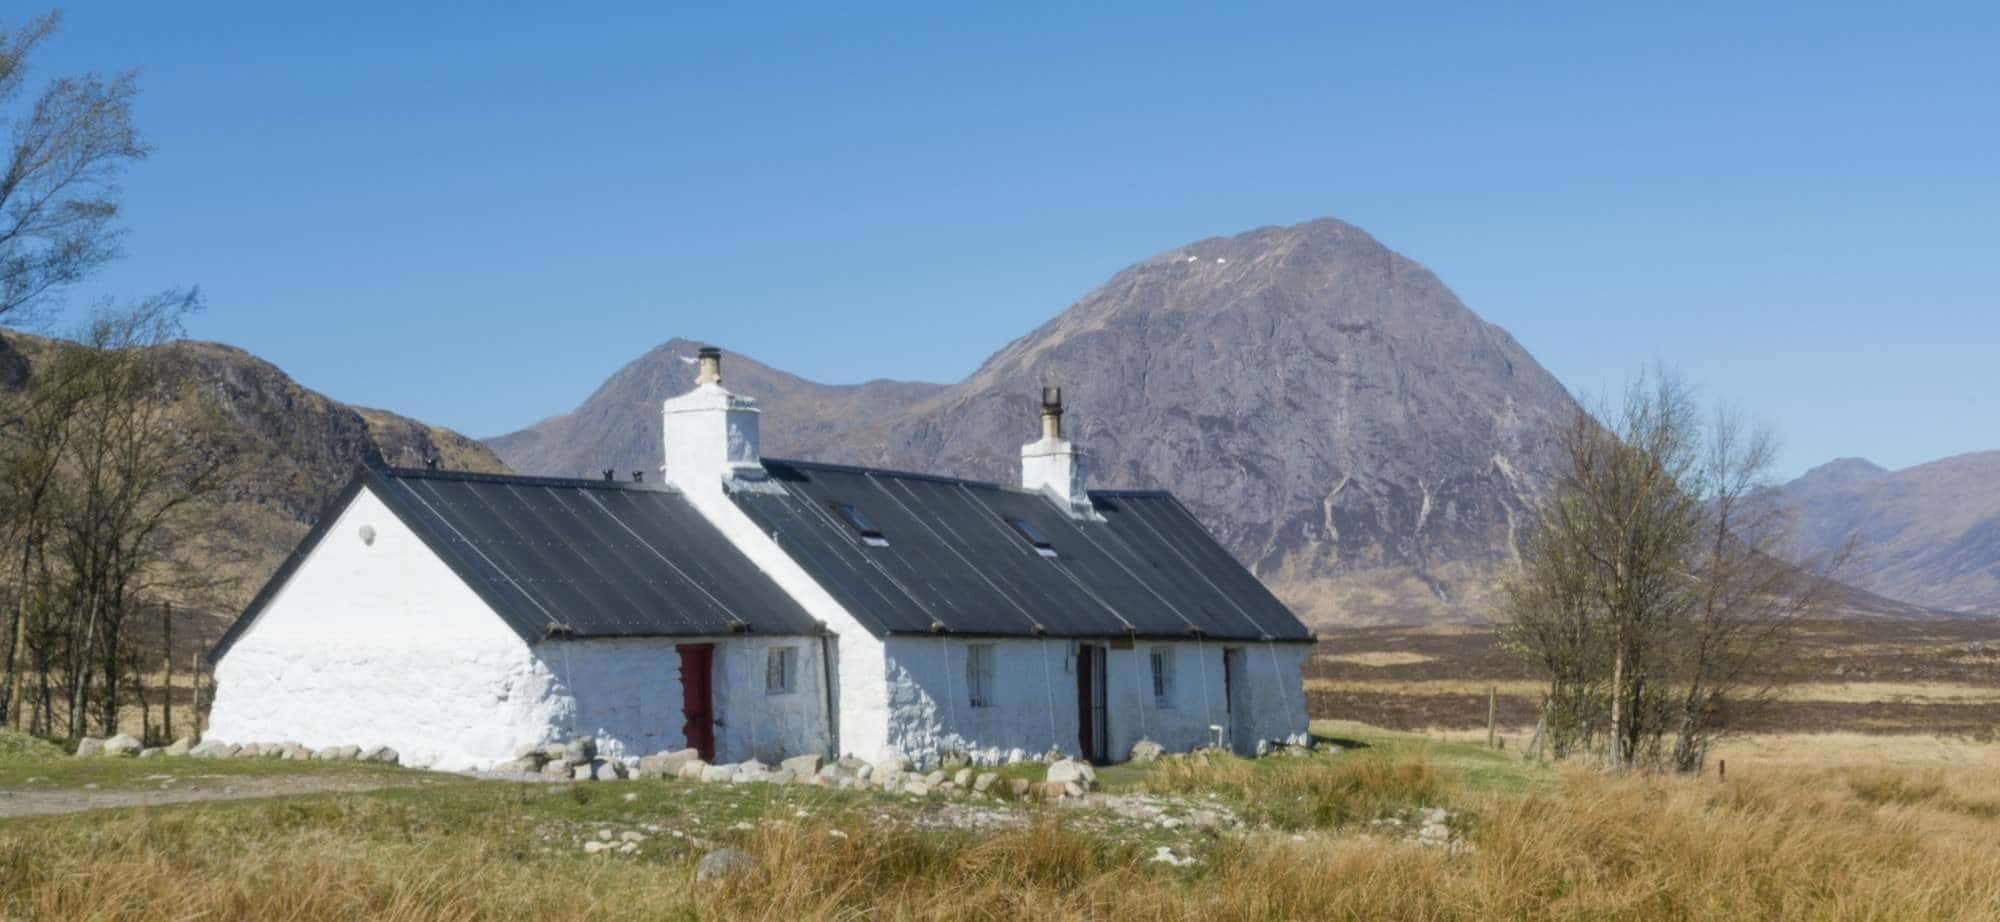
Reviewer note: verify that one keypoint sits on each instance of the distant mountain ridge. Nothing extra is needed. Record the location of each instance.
(1928, 534)
(1353, 432)
(299, 447)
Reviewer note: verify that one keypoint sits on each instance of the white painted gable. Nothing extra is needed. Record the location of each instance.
(373, 640)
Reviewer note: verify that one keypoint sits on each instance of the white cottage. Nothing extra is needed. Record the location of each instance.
(751, 607)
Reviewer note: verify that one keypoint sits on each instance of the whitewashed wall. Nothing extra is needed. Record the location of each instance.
(1034, 699)
(381, 645)
(627, 694)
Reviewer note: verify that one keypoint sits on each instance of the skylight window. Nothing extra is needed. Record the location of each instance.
(1034, 536)
(870, 535)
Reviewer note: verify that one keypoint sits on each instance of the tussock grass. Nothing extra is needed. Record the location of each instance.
(1307, 793)
(16, 746)
(1790, 842)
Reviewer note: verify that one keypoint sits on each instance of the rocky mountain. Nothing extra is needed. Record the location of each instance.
(1928, 534)
(618, 426)
(297, 448)
(1327, 406)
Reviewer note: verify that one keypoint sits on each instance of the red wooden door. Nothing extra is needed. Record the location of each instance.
(698, 698)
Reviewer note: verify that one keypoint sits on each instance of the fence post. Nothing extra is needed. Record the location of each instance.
(1492, 716)
(167, 663)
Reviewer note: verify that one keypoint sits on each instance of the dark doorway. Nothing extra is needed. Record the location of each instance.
(1232, 695)
(698, 697)
(1093, 737)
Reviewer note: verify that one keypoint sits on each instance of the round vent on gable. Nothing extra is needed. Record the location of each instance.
(368, 535)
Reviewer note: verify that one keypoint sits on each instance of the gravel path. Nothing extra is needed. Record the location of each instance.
(43, 799)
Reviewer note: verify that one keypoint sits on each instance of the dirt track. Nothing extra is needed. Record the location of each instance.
(44, 798)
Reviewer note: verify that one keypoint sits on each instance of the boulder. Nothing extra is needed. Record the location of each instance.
(692, 769)
(346, 753)
(383, 755)
(1019, 787)
(1016, 754)
(580, 750)
(666, 764)
(916, 788)
(212, 749)
(963, 778)
(151, 752)
(122, 746)
(526, 766)
(181, 747)
(297, 752)
(89, 746)
(1146, 750)
(607, 770)
(985, 782)
(552, 752)
(783, 776)
(934, 778)
(802, 765)
(1068, 771)
(723, 862)
(718, 772)
(895, 763)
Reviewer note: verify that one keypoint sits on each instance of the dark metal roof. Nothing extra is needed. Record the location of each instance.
(581, 558)
(954, 561)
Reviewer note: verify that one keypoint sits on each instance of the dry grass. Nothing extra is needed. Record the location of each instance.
(1787, 842)
(1378, 658)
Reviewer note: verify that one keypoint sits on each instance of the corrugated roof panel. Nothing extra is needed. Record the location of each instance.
(952, 558)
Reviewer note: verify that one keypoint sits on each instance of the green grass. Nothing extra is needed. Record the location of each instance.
(65, 771)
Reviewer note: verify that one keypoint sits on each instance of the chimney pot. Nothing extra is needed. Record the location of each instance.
(1052, 411)
(710, 359)
(609, 475)
(638, 476)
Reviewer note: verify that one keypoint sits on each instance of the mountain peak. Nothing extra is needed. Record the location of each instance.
(1842, 471)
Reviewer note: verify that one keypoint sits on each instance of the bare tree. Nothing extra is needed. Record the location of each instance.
(59, 192)
(1653, 594)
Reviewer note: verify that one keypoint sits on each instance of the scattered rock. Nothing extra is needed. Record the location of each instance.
(1165, 855)
(802, 766)
(526, 766)
(580, 750)
(693, 769)
(984, 782)
(723, 862)
(1146, 750)
(212, 749)
(89, 746)
(593, 847)
(718, 772)
(383, 755)
(1018, 787)
(297, 752)
(916, 787)
(151, 752)
(783, 776)
(1067, 771)
(934, 778)
(122, 746)
(666, 764)
(181, 747)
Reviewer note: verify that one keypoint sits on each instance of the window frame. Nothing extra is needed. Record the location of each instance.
(1032, 535)
(1162, 660)
(781, 663)
(859, 522)
(979, 678)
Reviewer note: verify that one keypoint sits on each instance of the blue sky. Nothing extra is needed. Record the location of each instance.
(473, 215)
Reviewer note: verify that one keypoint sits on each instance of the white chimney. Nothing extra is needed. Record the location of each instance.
(710, 433)
(1053, 466)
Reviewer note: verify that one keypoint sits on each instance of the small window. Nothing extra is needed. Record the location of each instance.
(1034, 536)
(778, 668)
(870, 535)
(979, 674)
(1163, 677)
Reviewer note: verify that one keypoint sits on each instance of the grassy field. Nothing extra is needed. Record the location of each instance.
(1329, 836)
(1931, 678)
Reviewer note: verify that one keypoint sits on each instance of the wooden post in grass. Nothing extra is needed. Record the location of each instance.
(1721, 769)
(1492, 716)
(167, 664)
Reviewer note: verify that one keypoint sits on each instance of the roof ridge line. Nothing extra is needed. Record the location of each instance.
(526, 480)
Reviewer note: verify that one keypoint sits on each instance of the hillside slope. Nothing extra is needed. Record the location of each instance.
(1928, 534)
(297, 448)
